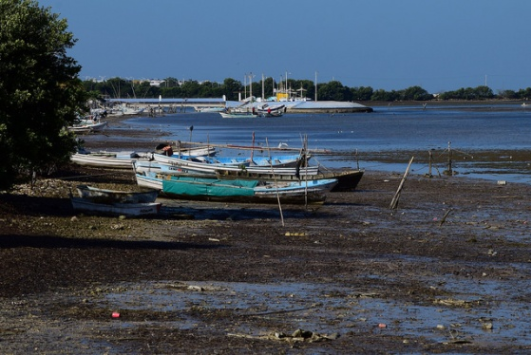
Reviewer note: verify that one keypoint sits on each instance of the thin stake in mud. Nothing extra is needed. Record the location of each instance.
(191, 128)
(396, 197)
(274, 179)
(444, 217)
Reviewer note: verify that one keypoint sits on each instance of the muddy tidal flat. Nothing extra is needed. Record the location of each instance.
(447, 271)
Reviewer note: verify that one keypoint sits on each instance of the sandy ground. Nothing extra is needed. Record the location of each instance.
(445, 272)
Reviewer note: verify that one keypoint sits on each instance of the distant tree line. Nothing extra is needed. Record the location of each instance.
(333, 90)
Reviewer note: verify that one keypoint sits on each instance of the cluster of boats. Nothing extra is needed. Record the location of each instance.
(88, 124)
(196, 172)
(249, 112)
(92, 122)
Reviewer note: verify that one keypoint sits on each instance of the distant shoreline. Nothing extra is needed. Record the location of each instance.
(443, 103)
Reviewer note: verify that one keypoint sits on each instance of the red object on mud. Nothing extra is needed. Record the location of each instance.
(115, 315)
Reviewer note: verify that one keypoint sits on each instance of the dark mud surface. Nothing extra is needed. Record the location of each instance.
(448, 271)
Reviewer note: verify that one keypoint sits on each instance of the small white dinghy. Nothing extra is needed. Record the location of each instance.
(95, 194)
(116, 209)
(113, 202)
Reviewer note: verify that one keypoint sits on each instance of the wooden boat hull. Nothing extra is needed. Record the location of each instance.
(117, 209)
(105, 196)
(153, 166)
(110, 160)
(267, 111)
(213, 168)
(186, 150)
(237, 115)
(146, 179)
(88, 128)
(348, 179)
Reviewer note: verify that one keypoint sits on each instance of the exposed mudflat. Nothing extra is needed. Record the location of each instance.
(448, 271)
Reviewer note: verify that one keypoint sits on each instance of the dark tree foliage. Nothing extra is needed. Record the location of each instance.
(415, 93)
(40, 92)
(332, 90)
(477, 93)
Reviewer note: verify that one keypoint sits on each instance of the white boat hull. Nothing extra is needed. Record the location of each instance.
(221, 169)
(117, 160)
(97, 195)
(117, 209)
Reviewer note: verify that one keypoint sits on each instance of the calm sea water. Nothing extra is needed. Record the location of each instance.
(386, 129)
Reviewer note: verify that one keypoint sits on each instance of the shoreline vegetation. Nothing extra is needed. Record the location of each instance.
(293, 88)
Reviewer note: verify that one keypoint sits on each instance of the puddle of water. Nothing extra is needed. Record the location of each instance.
(340, 309)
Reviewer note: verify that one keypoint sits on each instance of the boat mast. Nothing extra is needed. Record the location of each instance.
(263, 95)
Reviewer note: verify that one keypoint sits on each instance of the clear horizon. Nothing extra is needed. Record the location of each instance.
(385, 44)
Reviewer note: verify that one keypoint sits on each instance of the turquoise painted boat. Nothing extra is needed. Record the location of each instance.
(237, 190)
(205, 187)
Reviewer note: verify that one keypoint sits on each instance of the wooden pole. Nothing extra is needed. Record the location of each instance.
(429, 163)
(445, 215)
(305, 157)
(396, 197)
(252, 151)
(278, 196)
(449, 160)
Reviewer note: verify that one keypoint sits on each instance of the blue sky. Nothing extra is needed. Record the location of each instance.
(385, 44)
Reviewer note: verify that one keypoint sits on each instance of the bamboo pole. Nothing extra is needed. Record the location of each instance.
(396, 198)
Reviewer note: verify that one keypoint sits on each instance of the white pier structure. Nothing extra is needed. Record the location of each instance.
(170, 104)
(175, 105)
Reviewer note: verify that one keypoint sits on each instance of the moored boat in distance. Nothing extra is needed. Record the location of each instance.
(237, 115)
(239, 112)
(266, 110)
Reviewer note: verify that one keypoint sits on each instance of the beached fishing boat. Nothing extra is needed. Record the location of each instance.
(280, 164)
(185, 149)
(348, 179)
(109, 160)
(106, 196)
(237, 190)
(157, 167)
(87, 125)
(115, 209)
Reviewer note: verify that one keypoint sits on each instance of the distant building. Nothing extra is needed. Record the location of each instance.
(155, 82)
